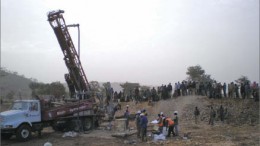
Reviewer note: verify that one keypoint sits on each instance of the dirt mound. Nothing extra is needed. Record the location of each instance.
(166, 106)
(237, 111)
(239, 127)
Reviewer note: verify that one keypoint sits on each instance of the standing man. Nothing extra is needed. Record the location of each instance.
(179, 88)
(247, 90)
(137, 96)
(176, 122)
(160, 122)
(242, 90)
(143, 124)
(196, 114)
(154, 94)
(126, 115)
(236, 90)
(212, 116)
(169, 124)
(224, 89)
(137, 122)
(175, 94)
(221, 113)
(169, 90)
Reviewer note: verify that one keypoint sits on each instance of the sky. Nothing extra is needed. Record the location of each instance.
(151, 42)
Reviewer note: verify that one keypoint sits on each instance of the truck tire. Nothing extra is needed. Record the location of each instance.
(24, 133)
(58, 127)
(76, 125)
(6, 136)
(87, 124)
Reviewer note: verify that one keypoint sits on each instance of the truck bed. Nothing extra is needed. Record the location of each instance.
(68, 109)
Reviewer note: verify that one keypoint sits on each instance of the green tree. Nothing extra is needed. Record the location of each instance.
(97, 89)
(107, 85)
(95, 86)
(128, 88)
(206, 78)
(242, 79)
(10, 95)
(196, 73)
(56, 88)
(37, 88)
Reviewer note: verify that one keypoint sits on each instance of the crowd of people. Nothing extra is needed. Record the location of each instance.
(168, 123)
(141, 121)
(212, 90)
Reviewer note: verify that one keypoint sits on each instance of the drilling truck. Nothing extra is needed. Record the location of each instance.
(32, 115)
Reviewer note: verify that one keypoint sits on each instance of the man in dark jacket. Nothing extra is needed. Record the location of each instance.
(126, 115)
(137, 122)
(212, 116)
(143, 124)
(221, 113)
(224, 89)
(196, 114)
(176, 123)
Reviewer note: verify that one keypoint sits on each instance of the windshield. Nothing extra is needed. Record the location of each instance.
(20, 106)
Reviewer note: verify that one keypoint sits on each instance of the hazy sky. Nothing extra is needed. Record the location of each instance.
(152, 42)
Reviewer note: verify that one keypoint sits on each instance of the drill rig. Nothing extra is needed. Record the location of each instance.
(27, 116)
(76, 78)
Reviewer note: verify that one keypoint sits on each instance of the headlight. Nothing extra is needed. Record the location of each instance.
(8, 126)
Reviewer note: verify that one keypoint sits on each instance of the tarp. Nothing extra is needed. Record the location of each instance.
(157, 137)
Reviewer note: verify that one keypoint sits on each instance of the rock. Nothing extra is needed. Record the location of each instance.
(188, 135)
(123, 134)
(47, 144)
(70, 134)
(119, 135)
(130, 142)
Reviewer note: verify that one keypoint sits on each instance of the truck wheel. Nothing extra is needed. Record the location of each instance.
(24, 133)
(6, 136)
(74, 125)
(87, 124)
(59, 126)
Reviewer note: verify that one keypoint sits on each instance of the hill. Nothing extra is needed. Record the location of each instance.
(14, 86)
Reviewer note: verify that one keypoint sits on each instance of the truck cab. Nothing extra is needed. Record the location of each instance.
(20, 119)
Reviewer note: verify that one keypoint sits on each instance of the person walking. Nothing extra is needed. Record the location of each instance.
(143, 124)
(196, 114)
